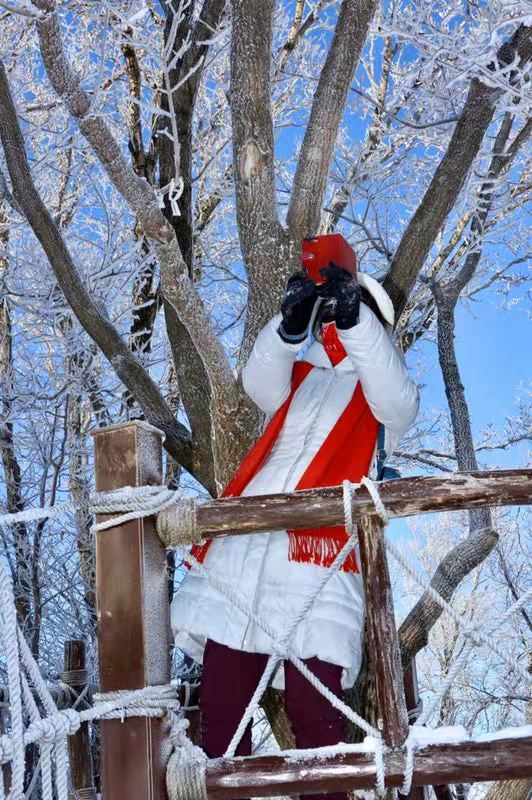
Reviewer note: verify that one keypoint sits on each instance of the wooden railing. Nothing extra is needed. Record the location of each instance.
(134, 643)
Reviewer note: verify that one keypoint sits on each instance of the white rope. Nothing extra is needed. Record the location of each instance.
(410, 747)
(472, 635)
(372, 488)
(460, 662)
(136, 502)
(151, 701)
(35, 514)
(10, 639)
(253, 704)
(50, 733)
(186, 771)
(284, 651)
(380, 772)
(176, 526)
(471, 629)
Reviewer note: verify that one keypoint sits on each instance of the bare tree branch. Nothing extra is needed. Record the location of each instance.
(328, 106)
(414, 631)
(482, 537)
(13, 474)
(179, 100)
(298, 29)
(93, 321)
(263, 242)
(374, 135)
(176, 284)
(450, 175)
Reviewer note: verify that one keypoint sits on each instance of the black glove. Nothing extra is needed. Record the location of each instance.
(342, 287)
(299, 300)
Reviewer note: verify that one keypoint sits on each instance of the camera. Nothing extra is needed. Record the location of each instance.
(318, 251)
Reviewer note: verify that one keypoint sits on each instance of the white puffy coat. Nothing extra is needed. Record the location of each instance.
(257, 565)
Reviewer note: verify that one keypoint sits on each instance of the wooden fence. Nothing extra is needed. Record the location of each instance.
(134, 637)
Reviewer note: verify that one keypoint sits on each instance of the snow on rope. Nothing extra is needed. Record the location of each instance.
(283, 651)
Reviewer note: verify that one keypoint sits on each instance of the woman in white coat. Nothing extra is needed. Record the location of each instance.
(326, 409)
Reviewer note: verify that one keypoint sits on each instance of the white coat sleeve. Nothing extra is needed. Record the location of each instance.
(267, 376)
(390, 392)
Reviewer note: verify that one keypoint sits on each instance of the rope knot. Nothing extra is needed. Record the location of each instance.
(177, 526)
(186, 773)
(373, 489)
(64, 723)
(151, 701)
(72, 720)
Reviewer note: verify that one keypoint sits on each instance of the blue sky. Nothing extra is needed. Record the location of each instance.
(493, 349)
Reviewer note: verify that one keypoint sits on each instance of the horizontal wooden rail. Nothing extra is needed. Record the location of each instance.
(297, 773)
(404, 497)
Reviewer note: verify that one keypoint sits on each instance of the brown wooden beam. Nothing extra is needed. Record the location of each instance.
(383, 644)
(402, 498)
(79, 745)
(295, 774)
(133, 616)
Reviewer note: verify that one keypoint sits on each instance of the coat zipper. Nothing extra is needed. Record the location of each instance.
(287, 480)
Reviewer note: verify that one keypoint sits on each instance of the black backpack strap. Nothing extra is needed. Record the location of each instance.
(381, 452)
(384, 473)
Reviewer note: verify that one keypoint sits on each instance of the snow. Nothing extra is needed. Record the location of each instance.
(322, 753)
(504, 733)
(423, 737)
(420, 737)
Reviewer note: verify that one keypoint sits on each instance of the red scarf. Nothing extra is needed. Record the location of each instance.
(346, 454)
(332, 344)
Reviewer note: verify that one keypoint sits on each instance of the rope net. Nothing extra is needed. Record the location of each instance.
(35, 718)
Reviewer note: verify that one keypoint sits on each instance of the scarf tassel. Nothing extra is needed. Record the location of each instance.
(320, 546)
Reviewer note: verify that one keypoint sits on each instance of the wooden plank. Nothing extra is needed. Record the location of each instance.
(297, 773)
(383, 644)
(79, 745)
(414, 704)
(133, 616)
(402, 498)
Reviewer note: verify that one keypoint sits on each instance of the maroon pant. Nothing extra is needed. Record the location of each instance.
(229, 679)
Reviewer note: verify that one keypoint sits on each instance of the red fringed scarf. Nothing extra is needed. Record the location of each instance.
(346, 454)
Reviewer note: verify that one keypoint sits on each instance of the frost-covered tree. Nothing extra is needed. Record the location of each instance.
(162, 162)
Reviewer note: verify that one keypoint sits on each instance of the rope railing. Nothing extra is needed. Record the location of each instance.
(472, 634)
(181, 521)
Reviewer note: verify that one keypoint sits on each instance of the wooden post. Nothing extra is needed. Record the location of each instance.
(383, 644)
(133, 615)
(79, 745)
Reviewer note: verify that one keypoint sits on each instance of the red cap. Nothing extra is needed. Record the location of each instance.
(319, 250)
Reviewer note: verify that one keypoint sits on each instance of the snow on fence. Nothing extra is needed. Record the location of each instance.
(145, 751)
